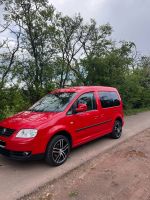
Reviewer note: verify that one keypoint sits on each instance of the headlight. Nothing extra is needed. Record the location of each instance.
(27, 133)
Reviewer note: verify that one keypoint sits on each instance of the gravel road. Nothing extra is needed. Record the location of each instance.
(120, 173)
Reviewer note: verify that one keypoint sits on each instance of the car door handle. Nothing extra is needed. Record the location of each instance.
(102, 115)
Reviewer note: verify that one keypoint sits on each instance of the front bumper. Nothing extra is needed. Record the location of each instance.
(20, 155)
(20, 149)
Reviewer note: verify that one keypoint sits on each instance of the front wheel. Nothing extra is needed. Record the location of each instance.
(58, 150)
(117, 130)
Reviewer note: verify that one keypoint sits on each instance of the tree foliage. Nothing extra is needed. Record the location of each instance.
(45, 49)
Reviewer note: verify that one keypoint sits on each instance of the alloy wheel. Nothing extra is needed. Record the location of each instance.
(118, 128)
(60, 151)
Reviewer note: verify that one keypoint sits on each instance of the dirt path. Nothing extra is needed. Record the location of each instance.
(120, 173)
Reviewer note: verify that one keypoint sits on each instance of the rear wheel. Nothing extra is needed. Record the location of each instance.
(58, 150)
(117, 130)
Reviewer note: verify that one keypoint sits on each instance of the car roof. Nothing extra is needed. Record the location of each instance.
(85, 89)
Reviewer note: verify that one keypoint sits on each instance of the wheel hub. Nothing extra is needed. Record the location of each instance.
(60, 151)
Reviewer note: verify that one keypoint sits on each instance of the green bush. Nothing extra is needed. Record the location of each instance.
(12, 100)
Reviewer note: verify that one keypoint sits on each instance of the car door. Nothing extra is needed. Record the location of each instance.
(83, 124)
(106, 112)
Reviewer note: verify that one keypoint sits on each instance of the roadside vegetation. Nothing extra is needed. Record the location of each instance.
(41, 49)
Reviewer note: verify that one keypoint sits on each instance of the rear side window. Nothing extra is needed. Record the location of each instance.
(115, 97)
(109, 99)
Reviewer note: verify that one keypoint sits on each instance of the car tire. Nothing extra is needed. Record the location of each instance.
(117, 130)
(58, 150)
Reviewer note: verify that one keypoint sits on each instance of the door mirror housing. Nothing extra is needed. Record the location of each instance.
(81, 108)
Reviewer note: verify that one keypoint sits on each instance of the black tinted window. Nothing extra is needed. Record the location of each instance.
(116, 100)
(109, 99)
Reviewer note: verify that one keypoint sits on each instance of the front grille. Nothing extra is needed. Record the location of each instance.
(6, 132)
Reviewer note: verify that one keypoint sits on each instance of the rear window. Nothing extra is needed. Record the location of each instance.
(109, 99)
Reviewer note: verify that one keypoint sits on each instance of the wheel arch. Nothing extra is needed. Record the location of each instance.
(120, 119)
(64, 133)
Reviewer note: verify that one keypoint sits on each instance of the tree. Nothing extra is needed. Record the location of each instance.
(8, 54)
(35, 20)
(76, 40)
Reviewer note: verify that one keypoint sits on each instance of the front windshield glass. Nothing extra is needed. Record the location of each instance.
(54, 102)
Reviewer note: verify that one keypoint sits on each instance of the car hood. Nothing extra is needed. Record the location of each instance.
(27, 119)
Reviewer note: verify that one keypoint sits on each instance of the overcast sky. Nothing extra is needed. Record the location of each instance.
(130, 19)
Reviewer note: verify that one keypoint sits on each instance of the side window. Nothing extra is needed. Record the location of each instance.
(105, 99)
(109, 99)
(89, 100)
(116, 100)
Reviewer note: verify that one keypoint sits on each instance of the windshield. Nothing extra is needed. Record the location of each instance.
(54, 102)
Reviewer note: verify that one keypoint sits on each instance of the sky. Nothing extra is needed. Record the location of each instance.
(130, 19)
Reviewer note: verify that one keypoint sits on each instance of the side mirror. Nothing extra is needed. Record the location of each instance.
(81, 108)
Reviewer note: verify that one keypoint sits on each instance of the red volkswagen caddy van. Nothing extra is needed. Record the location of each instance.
(60, 121)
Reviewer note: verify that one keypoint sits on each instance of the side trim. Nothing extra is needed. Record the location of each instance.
(86, 127)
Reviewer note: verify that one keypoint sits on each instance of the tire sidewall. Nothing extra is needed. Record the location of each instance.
(114, 132)
(49, 156)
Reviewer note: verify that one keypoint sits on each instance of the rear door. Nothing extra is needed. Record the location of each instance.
(109, 108)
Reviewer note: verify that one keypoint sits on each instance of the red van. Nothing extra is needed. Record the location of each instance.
(60, 121)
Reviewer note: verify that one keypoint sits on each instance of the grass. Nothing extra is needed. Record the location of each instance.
(132, 111)
(6, 114)
(73, 194)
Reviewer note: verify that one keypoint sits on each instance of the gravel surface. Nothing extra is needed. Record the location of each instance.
(120, 173)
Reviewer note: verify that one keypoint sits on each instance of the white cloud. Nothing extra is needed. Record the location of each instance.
(129, 18)
(85, 7)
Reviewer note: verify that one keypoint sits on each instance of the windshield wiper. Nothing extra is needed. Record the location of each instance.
(32, 110)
